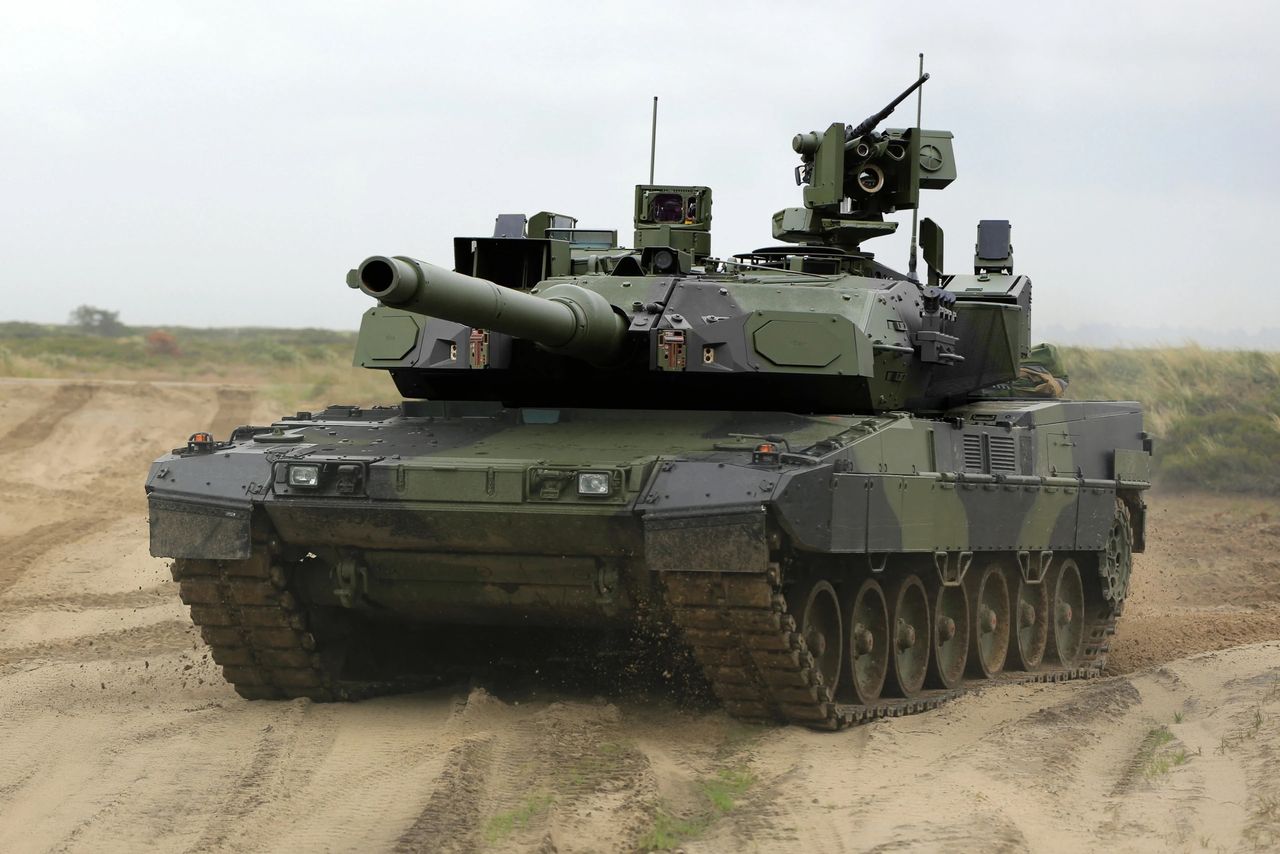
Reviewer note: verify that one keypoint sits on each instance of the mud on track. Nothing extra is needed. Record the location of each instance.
(117, 733)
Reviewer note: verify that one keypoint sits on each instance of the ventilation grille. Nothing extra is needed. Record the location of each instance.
(988, 454)
(1003, 453)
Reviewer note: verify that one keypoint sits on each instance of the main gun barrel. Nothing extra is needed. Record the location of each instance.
(565, 318)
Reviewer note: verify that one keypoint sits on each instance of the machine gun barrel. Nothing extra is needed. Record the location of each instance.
(565, 318)
(870, 123)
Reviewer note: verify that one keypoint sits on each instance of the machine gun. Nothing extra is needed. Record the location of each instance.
(854, 175)
(873, 121)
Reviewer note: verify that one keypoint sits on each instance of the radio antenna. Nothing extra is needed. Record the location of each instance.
(653, 137)
(915, 212)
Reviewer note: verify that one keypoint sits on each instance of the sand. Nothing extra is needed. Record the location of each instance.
(117, 732)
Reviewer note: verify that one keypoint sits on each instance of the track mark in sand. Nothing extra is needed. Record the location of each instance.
(450, 821)
(95, 819)
(234, 406)
(996, 832)
(9, 790)
(165, 593)
(18, 553)
(153, 639)
(524, 781)
(1006, 757)
(37, 427)
(1051, 742)
(284, 759)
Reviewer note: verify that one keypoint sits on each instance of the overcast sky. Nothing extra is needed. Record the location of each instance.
(227, 163)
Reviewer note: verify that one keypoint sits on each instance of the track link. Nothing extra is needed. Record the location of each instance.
(761, 670)
(255, 628)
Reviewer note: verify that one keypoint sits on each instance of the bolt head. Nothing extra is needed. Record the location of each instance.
(906, 635)
(863, 641)
(817, 641)
(987, 620)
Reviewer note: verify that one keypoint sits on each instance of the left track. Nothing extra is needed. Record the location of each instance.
(256, 628)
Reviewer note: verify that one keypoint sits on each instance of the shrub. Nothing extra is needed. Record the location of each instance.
(98, 321)
(1229, 451)
(161, 343)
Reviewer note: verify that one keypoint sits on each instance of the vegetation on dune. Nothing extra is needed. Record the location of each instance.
(1215, 413)
(298, 368)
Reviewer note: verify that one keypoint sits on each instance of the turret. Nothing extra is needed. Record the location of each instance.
(545, 314)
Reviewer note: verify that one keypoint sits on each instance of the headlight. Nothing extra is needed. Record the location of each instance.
(593, 483)
(304, 475)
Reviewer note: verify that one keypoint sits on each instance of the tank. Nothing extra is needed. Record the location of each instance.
(832, 486)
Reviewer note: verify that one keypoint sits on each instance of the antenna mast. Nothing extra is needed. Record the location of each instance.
(653, 136)
(915, 212)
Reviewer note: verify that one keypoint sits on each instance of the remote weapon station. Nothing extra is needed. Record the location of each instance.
(789, 458)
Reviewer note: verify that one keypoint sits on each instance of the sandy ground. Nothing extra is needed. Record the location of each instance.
(118, 734)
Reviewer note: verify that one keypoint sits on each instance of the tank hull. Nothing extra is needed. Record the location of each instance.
(717, 523)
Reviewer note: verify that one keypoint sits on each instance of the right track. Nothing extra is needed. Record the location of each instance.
(760, 668)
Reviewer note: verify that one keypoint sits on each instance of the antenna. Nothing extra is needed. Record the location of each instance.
(915, 212)
(653, 137)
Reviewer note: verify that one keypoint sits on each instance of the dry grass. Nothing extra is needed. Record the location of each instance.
(1175, 383)
(1215, 412)
(297, 368)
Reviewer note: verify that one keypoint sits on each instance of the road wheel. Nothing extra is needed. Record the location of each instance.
(990, 624)
(950, 636)
(1068, 614)
(818, 620)
(909, 630)
(1030, 624)
(867, 642)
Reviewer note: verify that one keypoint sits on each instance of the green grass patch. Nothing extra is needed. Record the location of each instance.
(503, 824)
(717, 797)
(1155, 760)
